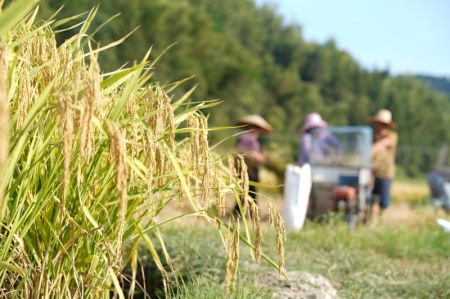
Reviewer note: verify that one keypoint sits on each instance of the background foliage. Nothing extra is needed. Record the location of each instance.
(257, 63)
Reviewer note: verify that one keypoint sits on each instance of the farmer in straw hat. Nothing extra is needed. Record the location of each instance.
(249, 146)
(316, 141)
(383, 157)
(313, 121)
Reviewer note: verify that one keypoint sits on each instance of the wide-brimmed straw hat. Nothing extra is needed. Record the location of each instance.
(313, 120)
(384, 116)
(255, 120)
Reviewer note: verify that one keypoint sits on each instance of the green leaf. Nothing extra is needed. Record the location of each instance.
(5, 265)
(14, 14)
(116, 283)
(120, 75)
(132, 86)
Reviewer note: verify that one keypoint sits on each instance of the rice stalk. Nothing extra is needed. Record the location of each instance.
(92, 96)
(150, 152)
(118, 148)
(4, 118)
(66, 116)
(256, 221)
(220, 198)
(194, 145)
(232, 251)
(239, 177)
(243, 176)
(208, 164)
(277, 222)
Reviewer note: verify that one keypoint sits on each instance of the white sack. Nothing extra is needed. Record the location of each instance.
(297, 187)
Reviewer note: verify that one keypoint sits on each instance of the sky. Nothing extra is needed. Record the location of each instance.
(405, 36)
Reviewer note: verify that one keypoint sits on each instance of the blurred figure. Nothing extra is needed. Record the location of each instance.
(383, 159)
(316, 142)
(249, 146)
(439, 183)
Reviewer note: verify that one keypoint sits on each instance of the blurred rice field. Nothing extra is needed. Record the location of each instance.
(413, 192)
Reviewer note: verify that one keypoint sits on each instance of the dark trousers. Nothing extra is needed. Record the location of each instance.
(382, 189)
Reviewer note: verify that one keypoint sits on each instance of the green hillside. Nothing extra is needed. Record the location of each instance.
(436, 83)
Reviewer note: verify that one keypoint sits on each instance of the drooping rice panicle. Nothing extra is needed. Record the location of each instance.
(277, 222)
(256, 221)
(232, 251)
(91, 97)
(119, 153)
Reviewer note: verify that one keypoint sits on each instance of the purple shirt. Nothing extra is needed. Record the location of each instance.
(248, 141)
(305, 148)
(320, 141)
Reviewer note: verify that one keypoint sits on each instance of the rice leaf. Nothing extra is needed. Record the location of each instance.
(14, 13)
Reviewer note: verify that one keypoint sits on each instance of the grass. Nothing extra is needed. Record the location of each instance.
(381, 263)
(197, 289)
(388, 261)
(406, 256)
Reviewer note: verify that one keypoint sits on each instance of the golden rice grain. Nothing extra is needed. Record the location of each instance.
(27, 93)
(220, 199)
(93, 94)
(151, 159)
(208, 164)
(232, 255)
(256, 221)
(66, 116)
(277, 222)
(232, 174)
(245, 183)
(119, 154)
(194, 145)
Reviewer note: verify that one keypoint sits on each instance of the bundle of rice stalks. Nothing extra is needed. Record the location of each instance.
(88, 160)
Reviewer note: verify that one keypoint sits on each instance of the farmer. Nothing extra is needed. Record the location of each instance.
(383, 157)
(316, 142)
(248, 145)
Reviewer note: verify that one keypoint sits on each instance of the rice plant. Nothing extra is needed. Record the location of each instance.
(88, 161)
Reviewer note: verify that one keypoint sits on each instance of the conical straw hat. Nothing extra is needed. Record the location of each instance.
(255, 120)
